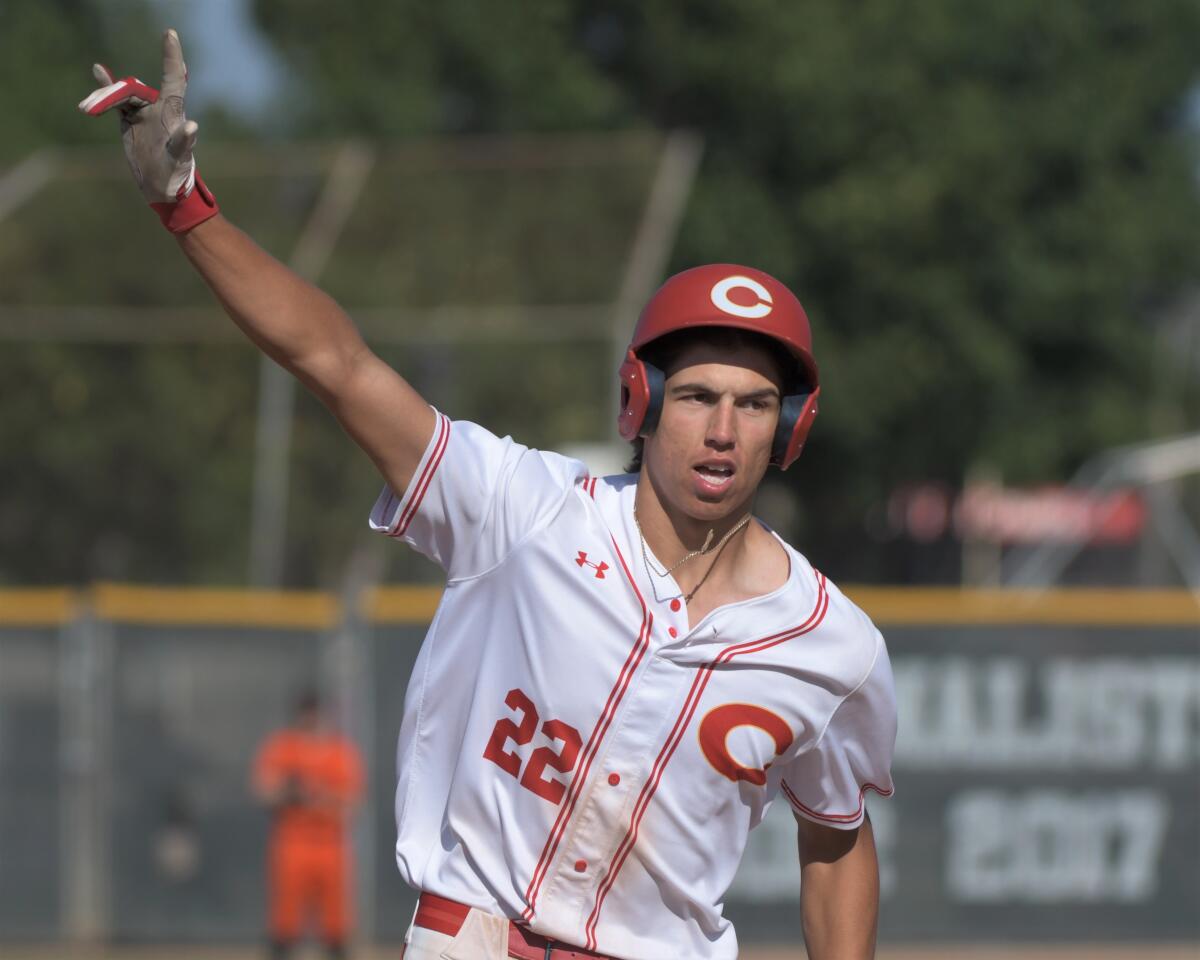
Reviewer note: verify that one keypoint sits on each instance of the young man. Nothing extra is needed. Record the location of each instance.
(624, 672)
(310, 778)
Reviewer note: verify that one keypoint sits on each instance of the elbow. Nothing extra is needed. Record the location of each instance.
(326, 373)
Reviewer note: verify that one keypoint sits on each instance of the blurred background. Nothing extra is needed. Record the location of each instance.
(991, 214)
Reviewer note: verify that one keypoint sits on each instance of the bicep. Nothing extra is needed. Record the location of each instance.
(380, 411)
(819, 843)
(839, 889)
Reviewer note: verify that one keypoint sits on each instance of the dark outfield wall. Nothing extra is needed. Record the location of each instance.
(30, 771)
(1047, 788)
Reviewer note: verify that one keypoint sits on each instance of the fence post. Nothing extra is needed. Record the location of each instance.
(349, 670)
(86, 712)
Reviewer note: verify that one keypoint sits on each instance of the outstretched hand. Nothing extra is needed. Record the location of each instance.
(157, 135)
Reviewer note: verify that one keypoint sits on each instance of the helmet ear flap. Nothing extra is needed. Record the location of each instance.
(641, 397)
(796, 415)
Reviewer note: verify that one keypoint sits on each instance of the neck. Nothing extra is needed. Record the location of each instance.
(671, 534)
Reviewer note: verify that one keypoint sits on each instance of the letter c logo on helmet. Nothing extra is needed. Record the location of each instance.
(720, 297)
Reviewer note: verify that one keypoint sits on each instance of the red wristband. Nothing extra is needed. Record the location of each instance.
(193, 209)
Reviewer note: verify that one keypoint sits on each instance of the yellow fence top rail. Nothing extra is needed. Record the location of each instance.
(400, 604)
(182, 606)
(37, 606)
(1084, 607)
(318, 610)
(917, 605)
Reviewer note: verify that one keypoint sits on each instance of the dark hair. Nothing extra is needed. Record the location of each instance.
(665, 352)
(635, 461)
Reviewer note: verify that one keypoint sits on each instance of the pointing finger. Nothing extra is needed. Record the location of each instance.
(174, 78)
(103, 75)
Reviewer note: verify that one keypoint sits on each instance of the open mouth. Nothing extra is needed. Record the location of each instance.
(717, 475)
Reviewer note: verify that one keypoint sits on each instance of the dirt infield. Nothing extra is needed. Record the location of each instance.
(940, 952)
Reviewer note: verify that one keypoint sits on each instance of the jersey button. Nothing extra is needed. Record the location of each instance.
(614, 779)
(675, 605)
(672, 631)
(580, 866)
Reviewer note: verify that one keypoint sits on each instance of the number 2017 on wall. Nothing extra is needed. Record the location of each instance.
(522, 733)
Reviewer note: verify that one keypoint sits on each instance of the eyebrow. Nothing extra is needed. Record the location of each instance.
(705, 388)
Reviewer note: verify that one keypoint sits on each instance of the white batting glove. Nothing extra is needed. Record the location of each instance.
(158, 138)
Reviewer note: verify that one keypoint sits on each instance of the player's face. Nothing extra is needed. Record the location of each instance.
(713, 441)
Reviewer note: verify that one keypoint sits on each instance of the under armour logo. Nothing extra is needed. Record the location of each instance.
(600, 567)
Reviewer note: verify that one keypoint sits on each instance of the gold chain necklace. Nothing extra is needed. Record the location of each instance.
(690, 556)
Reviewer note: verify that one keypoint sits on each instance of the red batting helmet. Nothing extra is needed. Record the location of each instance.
(722, 295)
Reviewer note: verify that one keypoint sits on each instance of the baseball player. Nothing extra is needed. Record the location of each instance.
(624, 672)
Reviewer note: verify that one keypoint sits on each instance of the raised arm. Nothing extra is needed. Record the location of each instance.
(301, 328)
(839, 891)
(293, 322)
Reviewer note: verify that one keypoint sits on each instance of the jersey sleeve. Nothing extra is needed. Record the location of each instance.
(474, 496)
(828, 783)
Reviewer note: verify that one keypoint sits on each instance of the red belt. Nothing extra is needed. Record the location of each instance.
(447, 916)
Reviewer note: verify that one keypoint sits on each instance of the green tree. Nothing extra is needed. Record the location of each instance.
(982, 206)
(397, 69)
(46, 51)
(983, 209)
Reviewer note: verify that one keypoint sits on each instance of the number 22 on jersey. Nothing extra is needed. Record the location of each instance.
(557, 731)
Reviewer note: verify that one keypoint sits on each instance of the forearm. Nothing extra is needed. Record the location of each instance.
(840, 902)
(295, 323)
(292, 321)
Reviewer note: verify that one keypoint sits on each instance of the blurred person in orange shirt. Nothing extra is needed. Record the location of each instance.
(310, 777)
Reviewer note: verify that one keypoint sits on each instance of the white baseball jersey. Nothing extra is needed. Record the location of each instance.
(577, 755)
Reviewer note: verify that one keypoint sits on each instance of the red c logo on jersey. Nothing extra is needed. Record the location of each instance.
(720, 721)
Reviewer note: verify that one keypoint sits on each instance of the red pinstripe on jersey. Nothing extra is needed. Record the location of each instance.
(834, 817)
(391, 494)
(703, 675)
(567, 807)
(426, 476)
(589, 485)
